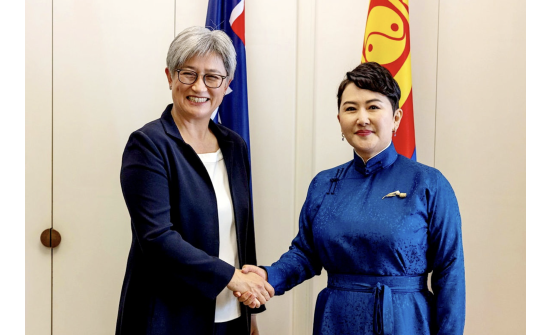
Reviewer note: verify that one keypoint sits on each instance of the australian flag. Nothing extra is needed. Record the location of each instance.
(228, 15)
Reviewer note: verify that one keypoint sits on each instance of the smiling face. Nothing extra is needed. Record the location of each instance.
(197, 101)
(367, 120)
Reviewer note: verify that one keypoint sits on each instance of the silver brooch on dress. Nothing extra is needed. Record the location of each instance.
(395, 194)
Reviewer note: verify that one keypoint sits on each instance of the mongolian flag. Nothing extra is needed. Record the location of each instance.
(387, 41)
(228, 15)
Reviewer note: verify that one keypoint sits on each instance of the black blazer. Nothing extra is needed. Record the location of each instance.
(173, 273)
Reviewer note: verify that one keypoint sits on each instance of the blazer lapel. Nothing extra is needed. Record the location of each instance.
(235, 175)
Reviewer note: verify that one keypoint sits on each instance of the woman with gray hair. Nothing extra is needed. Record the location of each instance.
(185, 181)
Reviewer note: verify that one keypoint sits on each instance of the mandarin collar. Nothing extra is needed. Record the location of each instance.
(379, 161)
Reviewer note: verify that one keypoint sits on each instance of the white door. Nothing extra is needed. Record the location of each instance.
(104, 79)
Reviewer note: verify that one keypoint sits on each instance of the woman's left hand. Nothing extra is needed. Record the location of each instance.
(254, 326)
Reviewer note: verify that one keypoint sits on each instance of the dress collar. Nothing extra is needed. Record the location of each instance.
(379, 161)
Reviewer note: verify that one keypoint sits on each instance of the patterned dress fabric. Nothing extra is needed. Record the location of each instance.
(378, 229)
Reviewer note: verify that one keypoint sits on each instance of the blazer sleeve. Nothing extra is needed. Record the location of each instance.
(446, 254)
(301, 261)
(145, 186)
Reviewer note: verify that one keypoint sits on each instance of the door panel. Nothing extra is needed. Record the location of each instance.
(108, 80)
(38, 164)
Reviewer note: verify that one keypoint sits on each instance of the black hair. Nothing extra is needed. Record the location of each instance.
(373, 77)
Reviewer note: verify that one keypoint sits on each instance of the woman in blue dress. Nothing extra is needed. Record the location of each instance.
(378, 225)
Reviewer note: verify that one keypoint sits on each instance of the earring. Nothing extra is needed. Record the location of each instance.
(170, 86)
(342, 137)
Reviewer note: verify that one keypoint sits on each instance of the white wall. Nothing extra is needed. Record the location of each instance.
(480, 147)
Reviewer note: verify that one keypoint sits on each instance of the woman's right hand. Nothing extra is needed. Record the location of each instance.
(248, 298)
(258, 290)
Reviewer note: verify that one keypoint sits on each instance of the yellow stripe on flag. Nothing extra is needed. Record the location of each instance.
(387, 42)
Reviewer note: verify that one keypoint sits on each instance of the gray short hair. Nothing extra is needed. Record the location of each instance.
(200, 41)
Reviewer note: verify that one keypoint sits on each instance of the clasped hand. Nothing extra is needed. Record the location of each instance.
(250, 286)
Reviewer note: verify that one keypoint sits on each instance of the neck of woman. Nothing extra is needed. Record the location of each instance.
(196, 133)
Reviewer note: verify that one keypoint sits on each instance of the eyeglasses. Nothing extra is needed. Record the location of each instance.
(190, 77)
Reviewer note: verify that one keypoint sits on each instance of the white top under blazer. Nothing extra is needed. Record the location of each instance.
(227, 306)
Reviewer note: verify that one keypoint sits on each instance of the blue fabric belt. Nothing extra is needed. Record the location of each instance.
(382, 288)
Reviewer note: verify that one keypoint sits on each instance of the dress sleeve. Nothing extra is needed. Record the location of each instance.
(301, 261)
(145, 186)
(446, 255)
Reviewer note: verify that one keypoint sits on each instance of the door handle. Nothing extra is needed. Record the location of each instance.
(50, 238)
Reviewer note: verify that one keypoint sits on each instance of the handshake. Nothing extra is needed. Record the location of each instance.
(250, 286)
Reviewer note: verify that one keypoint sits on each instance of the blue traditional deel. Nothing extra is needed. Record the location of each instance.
(378, 229)
(228, 15)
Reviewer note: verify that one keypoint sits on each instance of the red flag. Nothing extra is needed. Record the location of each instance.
(387, 42)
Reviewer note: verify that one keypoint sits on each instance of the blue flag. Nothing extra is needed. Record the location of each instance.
(228, 15)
